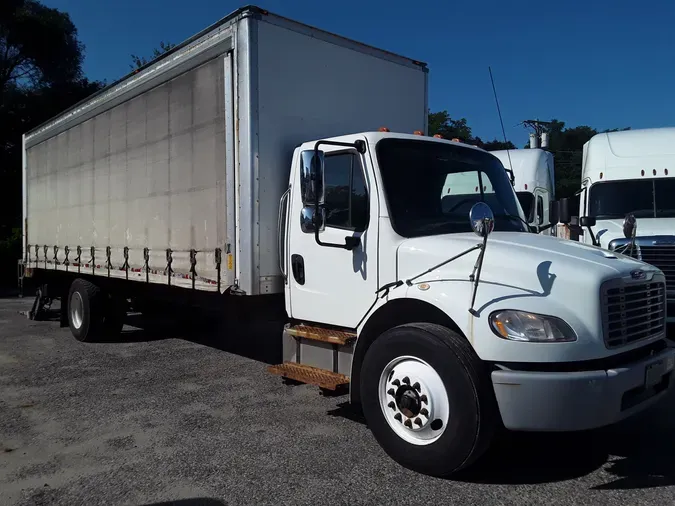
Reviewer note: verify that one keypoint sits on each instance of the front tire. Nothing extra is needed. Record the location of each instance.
(428, 398)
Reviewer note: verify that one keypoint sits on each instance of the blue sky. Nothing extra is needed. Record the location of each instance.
(603, 63)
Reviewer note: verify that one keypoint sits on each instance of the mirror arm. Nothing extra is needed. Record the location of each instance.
(350, 242)
(593, 239)
(475, 275)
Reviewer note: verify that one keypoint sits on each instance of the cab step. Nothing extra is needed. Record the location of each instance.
(332, 336)
(310, 375)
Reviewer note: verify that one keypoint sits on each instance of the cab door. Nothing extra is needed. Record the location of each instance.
(332, 284)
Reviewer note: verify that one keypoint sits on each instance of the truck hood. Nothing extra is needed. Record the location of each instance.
(509, 255)
(521, 271)
(608, 230)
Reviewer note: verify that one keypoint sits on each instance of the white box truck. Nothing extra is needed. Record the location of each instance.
(625, 205)
(534, 181)
(246, 168)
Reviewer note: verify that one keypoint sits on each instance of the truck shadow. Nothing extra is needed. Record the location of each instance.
(256, 340)
(635, 454)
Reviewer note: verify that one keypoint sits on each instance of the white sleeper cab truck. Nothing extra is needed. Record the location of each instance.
(215, 176)
(626, 202)
(534, 182)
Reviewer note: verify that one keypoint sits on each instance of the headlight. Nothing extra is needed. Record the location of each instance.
(529, 327)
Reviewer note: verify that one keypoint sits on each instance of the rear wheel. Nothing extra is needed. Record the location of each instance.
(428, 398)
(92, 314)
(85, 315)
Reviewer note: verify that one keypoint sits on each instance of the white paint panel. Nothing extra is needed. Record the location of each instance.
(309, 89)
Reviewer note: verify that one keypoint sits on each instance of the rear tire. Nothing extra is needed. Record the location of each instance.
(85, 310)
(92, 314)
(428, 398)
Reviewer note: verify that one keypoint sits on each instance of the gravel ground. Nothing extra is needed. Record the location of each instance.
(155, 419)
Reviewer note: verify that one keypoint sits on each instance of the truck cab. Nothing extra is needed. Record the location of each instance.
(628, 176)
(411, 276)
(534, 182)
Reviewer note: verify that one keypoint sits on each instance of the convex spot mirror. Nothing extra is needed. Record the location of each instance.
(629, 226)
(482, 219)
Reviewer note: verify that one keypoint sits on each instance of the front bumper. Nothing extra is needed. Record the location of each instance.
(570, 401)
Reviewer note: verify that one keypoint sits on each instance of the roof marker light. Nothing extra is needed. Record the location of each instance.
(438, 136)
(455, 139)
(418, 132)
(383, 129)
(654, 171)
(666, 171)
(642, 172)
(601, 175)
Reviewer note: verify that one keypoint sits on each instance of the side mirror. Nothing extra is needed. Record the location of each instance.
(312, 178)
(310, 220)
(629, 226)
(564, 211)
(482, 219)
(587, 221)
(553, 212)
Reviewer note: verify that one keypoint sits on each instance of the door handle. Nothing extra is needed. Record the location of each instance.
(298, 268)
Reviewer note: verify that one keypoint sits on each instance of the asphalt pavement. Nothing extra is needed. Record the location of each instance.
(172, 416)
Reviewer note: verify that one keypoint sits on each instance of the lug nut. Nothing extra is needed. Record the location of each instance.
(417, 386)
(398, 417)
(396, 383)
(424, 399)
(418, 421)
(408, 423)
(392, 405)
(406, 380)
(391, 392)
(424, 412)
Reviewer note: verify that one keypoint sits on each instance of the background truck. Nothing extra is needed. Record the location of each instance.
(629, 175)
(534, 182)
(245, 171)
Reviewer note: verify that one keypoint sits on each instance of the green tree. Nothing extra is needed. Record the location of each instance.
(40, 76)
(38, 46)
(441, 123)
(140, 61)
(494, 145)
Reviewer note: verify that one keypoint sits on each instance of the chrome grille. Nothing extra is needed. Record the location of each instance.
(660, 256)
(632, 312)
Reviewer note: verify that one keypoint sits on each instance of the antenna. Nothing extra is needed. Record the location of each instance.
(508, 153)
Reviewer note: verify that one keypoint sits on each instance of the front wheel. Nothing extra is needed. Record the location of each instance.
(428, 398)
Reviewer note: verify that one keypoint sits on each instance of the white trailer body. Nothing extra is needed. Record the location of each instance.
(534, 174)
(173, 174)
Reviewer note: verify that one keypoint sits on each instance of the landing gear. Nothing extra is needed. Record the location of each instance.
(41, 305)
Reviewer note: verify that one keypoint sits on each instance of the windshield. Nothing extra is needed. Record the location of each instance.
(645, 198)
(431, 186)
(526, 200)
